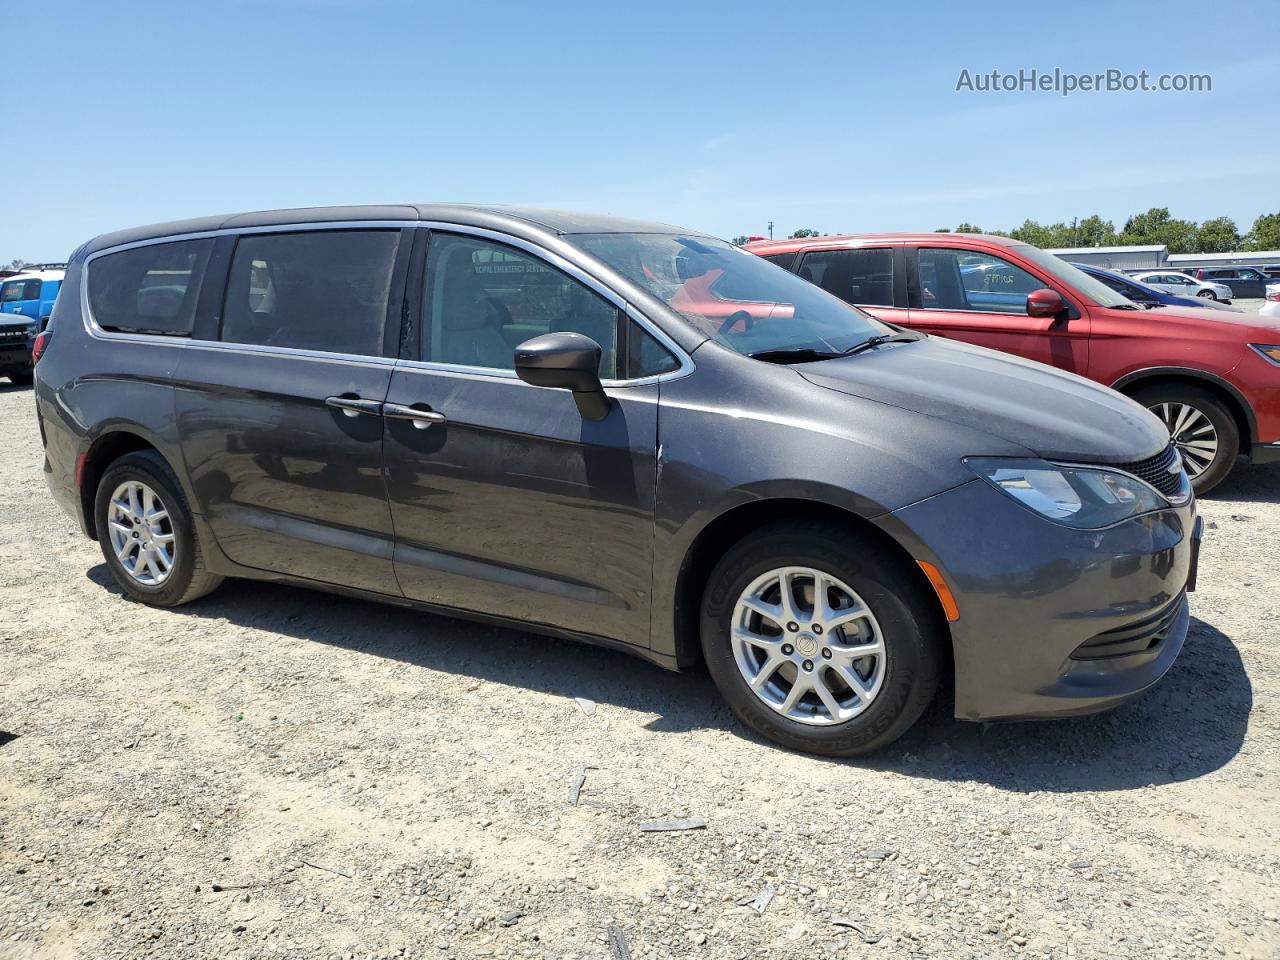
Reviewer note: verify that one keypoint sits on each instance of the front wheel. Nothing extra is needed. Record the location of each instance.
(1206, 295)
(819, 640)
(1203, 430)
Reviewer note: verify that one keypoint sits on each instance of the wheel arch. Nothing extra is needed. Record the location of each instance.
(737, 522)
(1231, 398)
(105, 450)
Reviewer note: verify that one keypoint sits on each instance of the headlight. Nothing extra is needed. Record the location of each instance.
(1270, 351)
(1081, 497)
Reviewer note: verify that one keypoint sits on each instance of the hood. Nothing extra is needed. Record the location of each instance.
(1236, 322)
(1051, 413)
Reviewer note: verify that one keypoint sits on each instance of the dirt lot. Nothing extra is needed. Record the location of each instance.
(277, 773)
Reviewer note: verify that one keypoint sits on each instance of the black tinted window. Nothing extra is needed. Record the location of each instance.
(20, 290)
(781, 259)
(646, 356)
(321, 290)
(855, 276)
(150, 289)
(483, 298)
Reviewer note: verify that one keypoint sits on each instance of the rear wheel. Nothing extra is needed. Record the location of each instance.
(1202, 428)
(146, 533)
(22, 379)
(819, 640)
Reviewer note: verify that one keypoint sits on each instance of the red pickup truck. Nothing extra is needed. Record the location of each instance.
(1212, 376)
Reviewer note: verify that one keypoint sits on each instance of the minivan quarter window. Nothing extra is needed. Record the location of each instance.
(149, 289)
(314, 290)
(481, 299)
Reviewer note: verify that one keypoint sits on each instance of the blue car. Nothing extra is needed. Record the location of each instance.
(26, 301)
(1145, 294)
(32, 292)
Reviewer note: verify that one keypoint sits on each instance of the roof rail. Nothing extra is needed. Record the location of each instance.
(32, 267)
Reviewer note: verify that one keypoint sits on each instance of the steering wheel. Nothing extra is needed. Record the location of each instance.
(748, 321)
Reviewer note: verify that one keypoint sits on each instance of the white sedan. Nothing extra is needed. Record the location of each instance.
(1271, 307)
(1181, 285)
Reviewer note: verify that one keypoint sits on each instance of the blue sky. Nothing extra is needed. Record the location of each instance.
(714, 115)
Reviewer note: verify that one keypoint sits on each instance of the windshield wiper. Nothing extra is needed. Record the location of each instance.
(1124, 306)
(872, 342)
(793, 355)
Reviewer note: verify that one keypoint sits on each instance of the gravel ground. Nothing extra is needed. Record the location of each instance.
(272, 772)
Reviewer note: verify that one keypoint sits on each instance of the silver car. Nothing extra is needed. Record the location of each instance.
(1181, 285)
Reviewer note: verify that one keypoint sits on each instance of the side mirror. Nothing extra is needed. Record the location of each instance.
(568, 361)
(1044, 303)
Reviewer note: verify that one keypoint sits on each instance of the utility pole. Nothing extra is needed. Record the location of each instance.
(770, 229)
(1075, 237)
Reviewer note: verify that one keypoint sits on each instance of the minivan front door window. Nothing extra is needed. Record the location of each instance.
(481, 299)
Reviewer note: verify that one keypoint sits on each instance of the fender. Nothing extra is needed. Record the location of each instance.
(1193, 374)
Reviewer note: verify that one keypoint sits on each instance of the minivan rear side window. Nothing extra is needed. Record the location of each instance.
(317, 290)
(149, 289)
(855, 276)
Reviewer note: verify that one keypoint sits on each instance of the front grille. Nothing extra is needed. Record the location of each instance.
(1143, 636)
(13, 333)
(1155, 471)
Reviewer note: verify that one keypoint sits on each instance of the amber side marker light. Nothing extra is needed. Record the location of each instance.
(942, 590)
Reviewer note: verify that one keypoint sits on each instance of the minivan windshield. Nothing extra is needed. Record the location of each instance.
(735, 297)
(1073, 277)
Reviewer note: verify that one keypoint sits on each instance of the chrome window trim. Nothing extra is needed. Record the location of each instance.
(94, 330)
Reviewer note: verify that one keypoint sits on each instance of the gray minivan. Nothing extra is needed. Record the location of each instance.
(621, 432)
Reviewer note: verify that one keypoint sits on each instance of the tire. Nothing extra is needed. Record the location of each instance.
(186, 578)
(1207, 295)
(22, 379)
(1165, 400)
(903, 612)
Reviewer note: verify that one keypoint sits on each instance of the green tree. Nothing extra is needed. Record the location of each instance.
(1036, 234)
(1265, 234)
(16, 264)
(943, 230)
(1156, 226)
(1218, 235)
(801, 234)
(740, 240)
(1093, 231)
(968, 228)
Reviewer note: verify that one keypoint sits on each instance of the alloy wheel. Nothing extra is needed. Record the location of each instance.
(141, 533)
(807, 645)
(1193, 434)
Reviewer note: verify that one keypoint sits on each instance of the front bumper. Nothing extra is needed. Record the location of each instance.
(1265, 453)
(1053, 621)
(15, 355)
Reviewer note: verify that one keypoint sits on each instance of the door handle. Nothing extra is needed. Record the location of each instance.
(420, 415)
(353, 406)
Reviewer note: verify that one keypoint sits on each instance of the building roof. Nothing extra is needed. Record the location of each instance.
(1227, 257)
(1072, 251)
(491, 215)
